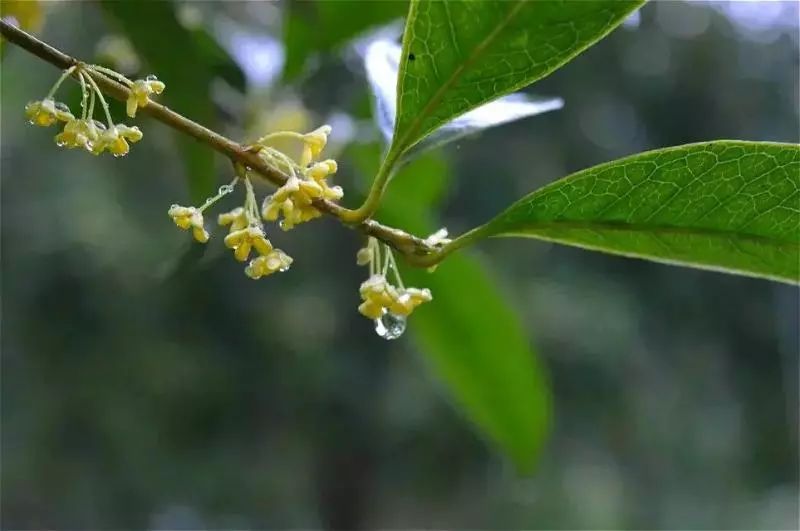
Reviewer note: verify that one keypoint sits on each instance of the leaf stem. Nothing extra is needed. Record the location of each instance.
(373, 200)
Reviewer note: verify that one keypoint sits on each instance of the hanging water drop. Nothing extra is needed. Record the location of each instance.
(61, 106)
(151, 77)
(390, 326)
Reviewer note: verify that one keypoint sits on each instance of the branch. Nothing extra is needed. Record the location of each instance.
(414, 249)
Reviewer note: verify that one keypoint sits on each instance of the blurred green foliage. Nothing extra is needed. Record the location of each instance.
(188, 59)
(314, 28)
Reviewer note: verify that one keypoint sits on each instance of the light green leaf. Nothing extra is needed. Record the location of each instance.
(187, 61)
(303, 20)
(469, 335)
(460, 54)
(728, 206)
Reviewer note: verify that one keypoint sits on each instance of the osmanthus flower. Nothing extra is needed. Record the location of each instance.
(189, 218)
(246, 234)
(80, 134)
(140, 91)
(86, 132)
(294, 200)
(388, 305)
(267, 264)
(46, 112)
(380, 297)
(243, 240)
(115, 140)
(313, 144)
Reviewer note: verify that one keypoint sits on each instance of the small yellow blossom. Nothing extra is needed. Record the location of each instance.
(115, 140)
(380, 297)
(408, 299)
(46, 112)
(313, 144)
(79, 134)
(321, 170)
(140, 93)
(267, 264)
(189, 217)
(243, 240)
(364, 256)
(236, 218)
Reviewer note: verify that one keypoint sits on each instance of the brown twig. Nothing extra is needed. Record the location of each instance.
(415, 249)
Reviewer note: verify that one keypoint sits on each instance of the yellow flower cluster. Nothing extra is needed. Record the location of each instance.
(380, 297)
(86, 132)
(245, 232)
(245, 235)
(295, 199)
(388, 305)
(141, 89)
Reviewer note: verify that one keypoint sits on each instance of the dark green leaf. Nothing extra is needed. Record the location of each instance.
(460, 54)
(469, 335)
(187, 61)
(727, 206)
(324, 26)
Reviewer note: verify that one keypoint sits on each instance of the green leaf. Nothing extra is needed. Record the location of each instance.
(728, 206)
(303, 20)
(187, 61)
(469, 335)
(460, 54)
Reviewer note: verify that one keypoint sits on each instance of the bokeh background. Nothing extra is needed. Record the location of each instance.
(147, 383)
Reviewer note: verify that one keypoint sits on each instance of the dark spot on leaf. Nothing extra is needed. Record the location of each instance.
(411, 57)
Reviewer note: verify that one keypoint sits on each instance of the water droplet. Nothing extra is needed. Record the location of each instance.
(61, 106)
(151, 77)
(282, 224)
(225, 189)
(390, 326)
